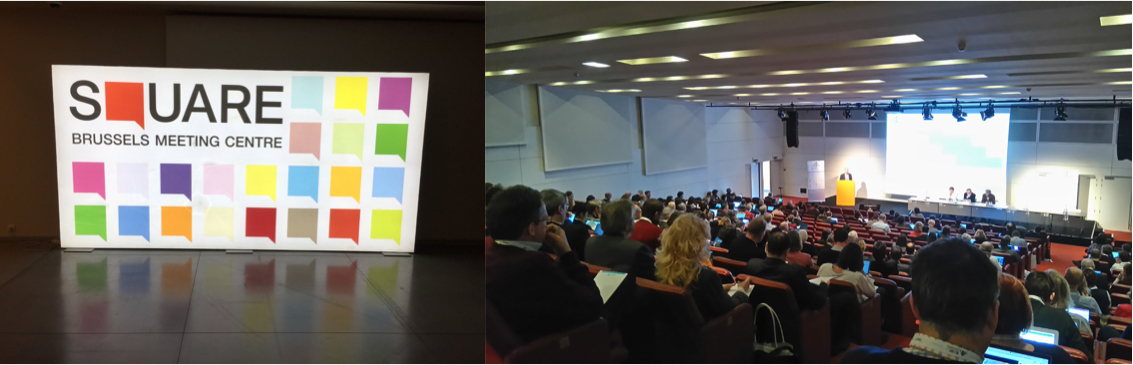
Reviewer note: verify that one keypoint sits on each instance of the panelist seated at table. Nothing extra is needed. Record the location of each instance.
(951, 194)
(988, 197)
(970, 196)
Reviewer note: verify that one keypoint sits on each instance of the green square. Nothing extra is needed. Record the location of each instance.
(90, 220)
(348, 139)
(391, 139)
(386, 224)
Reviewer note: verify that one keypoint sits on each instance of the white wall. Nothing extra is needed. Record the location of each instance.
(864, 156)
(735, 136)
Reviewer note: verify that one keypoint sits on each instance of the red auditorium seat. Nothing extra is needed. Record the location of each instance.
(683, 336)
(1118, 348)
(1077, 355)
(1117, 361)
(807, 331)
(871, 312)
(890, 304)
(717, 249)
(589, 343)
(594, 269)
(735, 266)
(726, 276)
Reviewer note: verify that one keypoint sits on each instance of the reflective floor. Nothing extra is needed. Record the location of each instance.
(210, 307)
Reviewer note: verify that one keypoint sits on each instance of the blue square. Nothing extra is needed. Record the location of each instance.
(133, 221)
(303, 181)
(388, 182)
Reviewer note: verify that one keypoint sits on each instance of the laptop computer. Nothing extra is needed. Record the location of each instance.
(1040, 335)
(865, 268)
(997, 355)
(1000, 259)
(1075, 311)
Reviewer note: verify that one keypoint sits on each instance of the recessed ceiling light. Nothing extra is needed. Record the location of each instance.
(892, 96)
(596, 64)
(1116, 20)
(802, 93)
(911, 38)
(1009, 93)
(565, 83)
(905, 90)
(1046, 56)
(652, 60)
(947, 88)
(969, 94)
(620, 91)
(961, 77)
(831, 92)
(1041, 73)
(995, 87)
(796, 84)
(742, 95)
(769, 94)
(684, 96)
(1118, 83)
(867, 91)
(506, 72)
(700, 100)
(678, 78)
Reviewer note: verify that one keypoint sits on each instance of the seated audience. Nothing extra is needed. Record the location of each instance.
(1015, 316)
(1101, 296)
(1107, 255)
(795, 255)
(1080, 292)
(1041, 288)
(775, 267)
(880, 224)
(882, 261)
(645, 230)
(830, 254)
(980, 237)
(679, 264)
(1062, 297)
(849, 269)
(987, 249)
(749, 245)
(1017, 239)
(918, 230)
(613, 249)
(955, 295)
(576, 234)
(1006, 250)
(535, 295)
(916, 214)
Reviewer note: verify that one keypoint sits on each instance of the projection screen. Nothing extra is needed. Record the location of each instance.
(173, 158)
(926, 157)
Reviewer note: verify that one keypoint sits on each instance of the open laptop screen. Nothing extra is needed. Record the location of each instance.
(1084, 313)
(1040, 335)
(995, 355)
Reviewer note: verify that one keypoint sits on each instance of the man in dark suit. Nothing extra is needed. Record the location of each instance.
(613, 249)
(830, 254)
(775, 267)
(1100, 295)
(534, 295)
(846, 174)
(881, 262)
(1040, 288)
(749, 245)
(988, 197)
(1005, 249)
(645, 230)
(576, 235)
(956, 298)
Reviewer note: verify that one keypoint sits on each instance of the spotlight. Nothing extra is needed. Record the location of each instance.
(846, 114)
(782, 114)
(824, 114)
(988, 113)
(1060, 113)
(958, 114)
(926, 112)
(870, 114)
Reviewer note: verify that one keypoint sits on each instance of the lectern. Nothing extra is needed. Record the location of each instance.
(846, 193)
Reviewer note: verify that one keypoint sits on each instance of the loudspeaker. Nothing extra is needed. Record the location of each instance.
(1124, 148)
(792, 129)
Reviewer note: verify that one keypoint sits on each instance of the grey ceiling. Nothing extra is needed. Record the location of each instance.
(1025, 30)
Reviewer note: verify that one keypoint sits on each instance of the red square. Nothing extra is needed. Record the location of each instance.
(260, 222)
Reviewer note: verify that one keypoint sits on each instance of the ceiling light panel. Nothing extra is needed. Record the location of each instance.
(886, 41)
(960, 77)
(793, 84)
(596, 64)
(1116, 20)
(652, 60)
(620, 91)
(510, 72)
(1044, 73)
(891, 66)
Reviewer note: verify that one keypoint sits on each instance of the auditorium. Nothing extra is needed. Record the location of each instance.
(807, 182)
(239, 182)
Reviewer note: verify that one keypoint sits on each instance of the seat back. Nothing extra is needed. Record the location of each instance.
(497, 333)
(807, 332)
(727, 339)
(904, 282)
(870, 309)
(735, 266)
(890, 304)
(1078, 355)
(1118, 348)
(909, 325)
(675, 320)
(589, 344)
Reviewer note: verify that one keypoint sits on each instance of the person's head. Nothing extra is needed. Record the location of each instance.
(796, 241)
(1089, 279)
(673, 217)
(491, 192)
(729, 190)
(826, 233)
(946, 231)
(987, 191)
(1107, 250)
(969, 191)
(715, 192)
(517, 213)
(981, 235)
(684, 245)
(918, 227)
(851, 258)
(590, 198)
(647, 194)
(880, 252)
(1088, 265)
(924, 229)
(777, 244)
(1095, 253)
(784, 225)
(841, 235)
(846, 170)
(609, 196)
(1123, 256)
(1015, 313)
(767, 217)
(917, 211)
(617, 218)
(728, 233)
(951, 190)
(932, 237)
(1076, 279)
(932, 223)
(955, 291)
(897, 253)
(902, 240)
(966, 237)
(652, 210)
(680, 194)
(681, 207)
(852, 237)
(986, 248)
(1042, 285)
(1061, 290)
(1016, 233)
(555, 202)
(755, 229)
(802, 236)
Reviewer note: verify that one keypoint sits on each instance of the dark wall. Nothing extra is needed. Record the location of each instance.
(34, 39)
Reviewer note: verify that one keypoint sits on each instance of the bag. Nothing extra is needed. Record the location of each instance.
(774, 352)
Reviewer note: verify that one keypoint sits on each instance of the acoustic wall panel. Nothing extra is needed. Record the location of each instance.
(674, 136)
(847, 129)
(503, 104)
(582, 129)
(810, 129)
(1076, 132)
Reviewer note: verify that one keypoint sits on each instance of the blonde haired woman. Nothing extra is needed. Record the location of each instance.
(1062, 297)
(684, 246)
